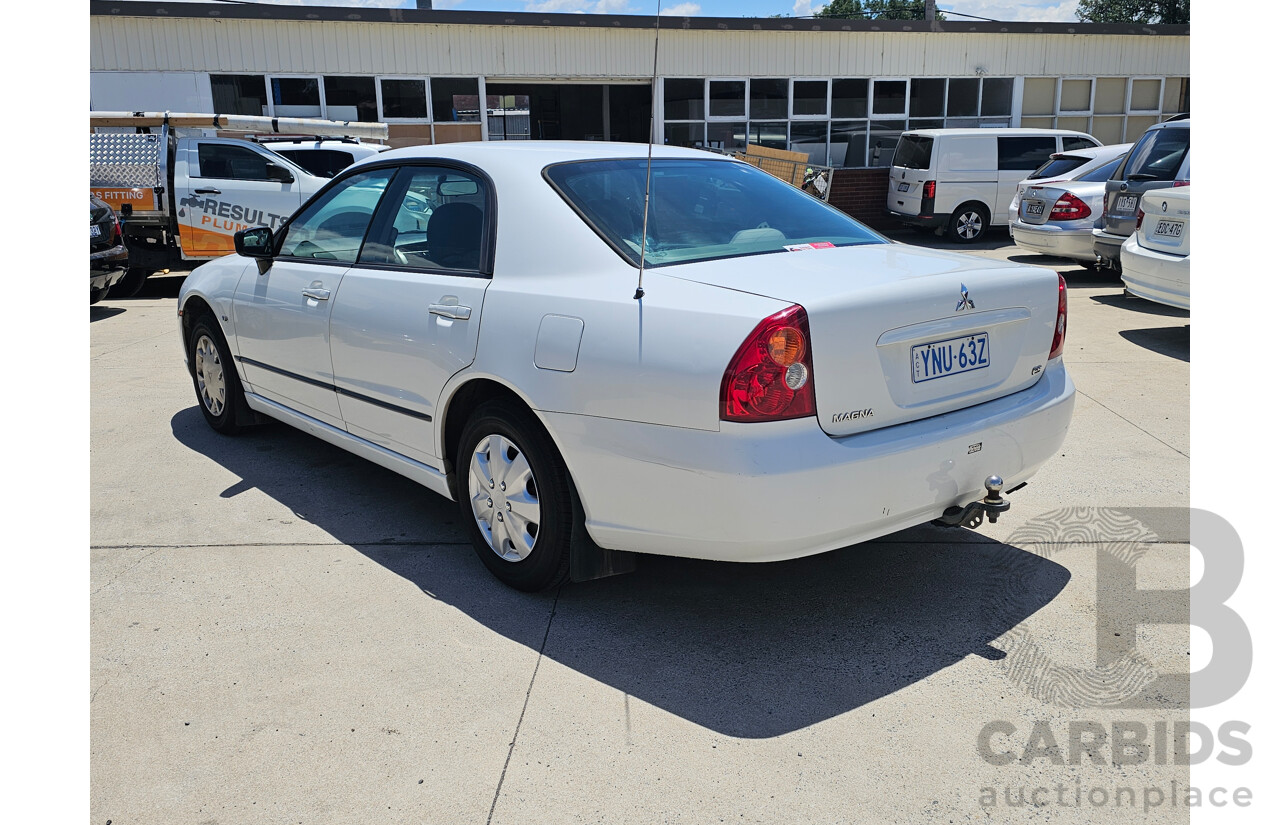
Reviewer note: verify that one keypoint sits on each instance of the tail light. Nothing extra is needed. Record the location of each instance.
(1069, 208)
(1060, 326)
(930, 188)
(770, 377)
(116, 233)
(1178, 183)
(1141, 215)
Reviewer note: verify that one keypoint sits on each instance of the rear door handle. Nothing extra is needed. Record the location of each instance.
(208, 191)
(318, 294)
(457, 313)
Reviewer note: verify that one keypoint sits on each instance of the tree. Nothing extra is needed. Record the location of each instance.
(874, 10)
(1134, 11)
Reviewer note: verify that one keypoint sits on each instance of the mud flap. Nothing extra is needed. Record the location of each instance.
(588, 560)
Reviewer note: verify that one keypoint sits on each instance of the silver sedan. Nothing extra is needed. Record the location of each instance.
(1054, 214)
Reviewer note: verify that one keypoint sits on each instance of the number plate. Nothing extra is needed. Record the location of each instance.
(95, 231)
(904, 186)
(951, 357)
(1035, 207)
(1126, 203)
(1168, 229)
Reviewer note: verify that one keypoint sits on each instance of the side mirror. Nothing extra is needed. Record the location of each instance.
(276, 172)
(256, 242)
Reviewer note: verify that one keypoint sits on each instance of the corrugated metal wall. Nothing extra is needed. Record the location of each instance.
(307, 47)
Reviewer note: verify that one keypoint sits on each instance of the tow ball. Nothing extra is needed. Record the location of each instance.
(971, 516)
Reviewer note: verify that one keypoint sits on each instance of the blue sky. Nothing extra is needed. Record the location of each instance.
(1037, 10)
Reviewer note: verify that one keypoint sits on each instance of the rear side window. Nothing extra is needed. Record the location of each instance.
(914, 152)
(1070, 143)
(323, 162)
(1157, 155)
(1024, 153)
(1058, 166)
(1103, 172)
(700, 210)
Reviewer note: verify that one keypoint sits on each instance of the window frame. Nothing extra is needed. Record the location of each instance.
(278, 237)
(271, 98)
(746, 100)
(872, 114)
(426, 83)
(791, 98)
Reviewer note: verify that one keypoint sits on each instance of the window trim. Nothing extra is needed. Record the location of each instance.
(872, 114)
(426, 82)
(1128, 99)
(791, 98)
(271, 98)
(1058, 111)
(324, 92)
(746, 100)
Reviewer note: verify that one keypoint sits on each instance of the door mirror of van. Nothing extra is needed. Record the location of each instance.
(256, 242)
(277, 172)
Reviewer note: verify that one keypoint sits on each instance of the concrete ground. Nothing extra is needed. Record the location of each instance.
(284, 633)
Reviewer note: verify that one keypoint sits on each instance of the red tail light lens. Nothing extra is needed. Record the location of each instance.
(1141, 215)
(1178, 183)
(770, 377)
(1069, 208)
(1060, 325)
(930, 188)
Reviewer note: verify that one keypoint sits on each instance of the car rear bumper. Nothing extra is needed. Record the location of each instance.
(1156, 276)
(919, 220)
(767, 492)
(107, 267)
(1106, 247)
(1076, 244)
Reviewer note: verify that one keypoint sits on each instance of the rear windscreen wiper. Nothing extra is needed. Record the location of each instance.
(1143, 176)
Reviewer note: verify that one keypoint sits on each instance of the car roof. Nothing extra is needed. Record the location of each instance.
(996, 130)
(542, 152)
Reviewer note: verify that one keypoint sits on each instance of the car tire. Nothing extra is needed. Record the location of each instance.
(513, 492)
(968, 223)
(213, 374)
(132, 282)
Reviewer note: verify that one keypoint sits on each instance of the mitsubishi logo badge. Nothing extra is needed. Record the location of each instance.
(965, 301)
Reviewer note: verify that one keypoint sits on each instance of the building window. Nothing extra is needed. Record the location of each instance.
(768, 99)
(889, 97)
(809, 98)
(726, 98)
(683, 99)
(455, 99)
(351, 98)
(295, 97)
(239, 94)
(403, 98)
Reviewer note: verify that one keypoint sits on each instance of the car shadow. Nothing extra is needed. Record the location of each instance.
(1174, 342)
(749, 651)
(1133, 302)
(98, 312)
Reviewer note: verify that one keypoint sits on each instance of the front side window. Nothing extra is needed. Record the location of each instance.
(332, 227)
(699, 210)
(437, 223)
(1024, 153)
(230, 162)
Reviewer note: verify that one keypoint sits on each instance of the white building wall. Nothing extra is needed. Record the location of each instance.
(285, 46)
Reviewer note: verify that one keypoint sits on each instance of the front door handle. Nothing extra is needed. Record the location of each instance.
(457, 313)
(208, 191)
(318, 294)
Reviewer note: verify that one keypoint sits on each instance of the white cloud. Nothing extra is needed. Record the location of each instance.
(1039, 11)
(682, 10)
(805, 8)
(579, 6)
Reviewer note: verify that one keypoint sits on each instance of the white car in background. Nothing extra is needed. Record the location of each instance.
(1056, 210)
(325, 157)
(786, 382)
(1155, 261)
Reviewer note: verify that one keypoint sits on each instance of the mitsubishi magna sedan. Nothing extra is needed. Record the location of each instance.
(784, 381)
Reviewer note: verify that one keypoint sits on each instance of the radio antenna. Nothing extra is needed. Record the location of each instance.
(648, 166)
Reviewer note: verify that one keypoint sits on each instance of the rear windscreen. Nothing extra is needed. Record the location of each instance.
(1158, 155)
(699, 210)
(1057, 166)
(914, 152)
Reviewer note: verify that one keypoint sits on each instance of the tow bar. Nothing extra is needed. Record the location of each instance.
(971, 516)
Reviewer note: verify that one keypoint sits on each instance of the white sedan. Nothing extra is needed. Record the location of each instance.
(784, 382)
(1155, 260)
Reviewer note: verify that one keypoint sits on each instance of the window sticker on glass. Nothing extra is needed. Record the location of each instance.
(798, 247)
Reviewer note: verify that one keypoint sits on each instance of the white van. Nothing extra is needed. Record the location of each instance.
(962, 180)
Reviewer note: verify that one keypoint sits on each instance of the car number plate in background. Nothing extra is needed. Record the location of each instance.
(95, 231)
(904, 186)
(1126, 203)
(1035, 207)
(1168, 229)
(951, 357)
